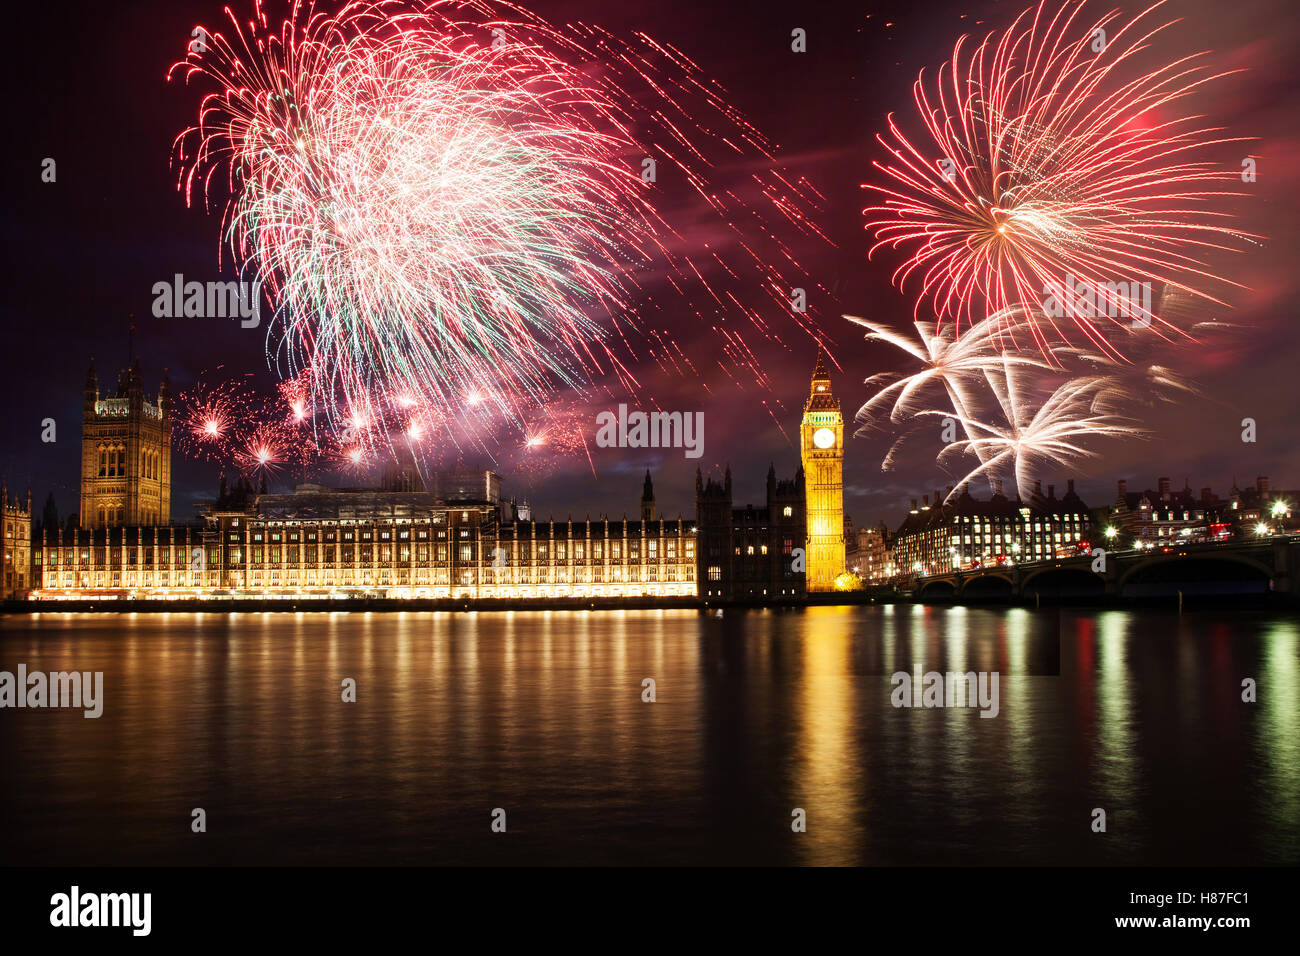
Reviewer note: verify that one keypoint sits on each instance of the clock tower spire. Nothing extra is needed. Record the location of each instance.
(821, 446)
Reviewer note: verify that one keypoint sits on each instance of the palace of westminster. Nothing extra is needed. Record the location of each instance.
(450, 535)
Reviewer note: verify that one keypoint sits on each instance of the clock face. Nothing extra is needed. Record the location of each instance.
(823, 438)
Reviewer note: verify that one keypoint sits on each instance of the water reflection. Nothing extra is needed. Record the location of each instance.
(756, 714)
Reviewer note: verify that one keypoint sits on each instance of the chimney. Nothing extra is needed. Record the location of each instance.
(1069, 486)
(1165, 486)
(1038, 489)
(938, 499)
(1261, 484)
(913, 504)
(1051, 491)
(997, 486)
(1206, 494)
(1123, 487)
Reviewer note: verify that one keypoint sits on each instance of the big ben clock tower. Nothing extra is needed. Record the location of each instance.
(821, 446)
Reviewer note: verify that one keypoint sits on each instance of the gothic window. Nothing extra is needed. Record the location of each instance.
(103, 464)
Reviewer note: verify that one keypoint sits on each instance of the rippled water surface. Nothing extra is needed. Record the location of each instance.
(757, 714)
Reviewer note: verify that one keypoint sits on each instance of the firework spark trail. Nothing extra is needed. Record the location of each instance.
(264, 452)
(212, 420)
(1015, 409)
(949, 360)
(554, 437)
(959, 364)
(230, 424)
(1064, 162)
(1054, 432)
(443, 196)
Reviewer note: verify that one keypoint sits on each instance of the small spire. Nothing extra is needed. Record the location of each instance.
(820, 371)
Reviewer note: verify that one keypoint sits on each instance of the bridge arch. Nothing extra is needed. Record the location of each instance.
(1152, 574)
(989, 584)
(938, 588)
(1074, 580)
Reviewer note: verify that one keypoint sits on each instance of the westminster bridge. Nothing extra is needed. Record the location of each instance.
(1246, 566)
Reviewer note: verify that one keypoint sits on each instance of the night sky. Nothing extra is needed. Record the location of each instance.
(87, 88)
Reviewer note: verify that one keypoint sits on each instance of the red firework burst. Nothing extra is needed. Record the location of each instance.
(1056, 176)
(210, 419)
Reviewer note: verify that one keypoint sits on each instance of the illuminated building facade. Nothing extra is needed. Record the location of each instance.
(965, 532)
(1163, 516)
(318, 542)
(126, 445)
(17, 519)
(821, 446)
(1262, 509)
(875, 559)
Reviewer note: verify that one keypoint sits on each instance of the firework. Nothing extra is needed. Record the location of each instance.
(1053, 177)
(1018, 412)
(961, 365)
(954, 362)
(445, 199)
(210, 419)
(1037, 433)
(264, 451)
(552, 439)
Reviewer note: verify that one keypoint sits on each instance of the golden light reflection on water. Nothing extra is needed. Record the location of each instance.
(833, 780)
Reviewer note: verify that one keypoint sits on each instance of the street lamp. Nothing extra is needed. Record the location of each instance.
(1281, 510)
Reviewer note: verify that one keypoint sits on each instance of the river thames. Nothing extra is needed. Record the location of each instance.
(758, 714)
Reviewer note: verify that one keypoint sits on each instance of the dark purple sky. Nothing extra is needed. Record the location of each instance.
(86, 87)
